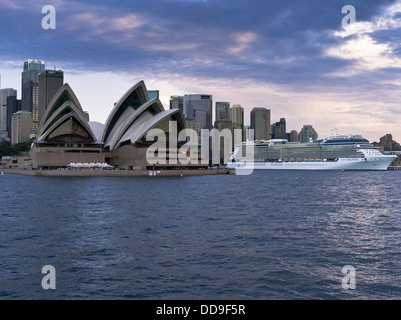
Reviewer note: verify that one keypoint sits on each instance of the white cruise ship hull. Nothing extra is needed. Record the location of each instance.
(375, 164)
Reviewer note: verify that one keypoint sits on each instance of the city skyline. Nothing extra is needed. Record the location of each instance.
(155, 93)
(299, 63)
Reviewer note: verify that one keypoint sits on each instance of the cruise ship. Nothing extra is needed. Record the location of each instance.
(336, 152)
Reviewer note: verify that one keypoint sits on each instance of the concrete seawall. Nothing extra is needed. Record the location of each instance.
(116, 173)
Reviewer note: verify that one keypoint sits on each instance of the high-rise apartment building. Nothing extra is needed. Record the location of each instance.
(307, 133)
(4, 94)
(388, 144)
(260, 123)
(50, 81)
(21, 126)
(198, 108)
(237, 116)
(293, 136)
(279, 130)
(222, 111)
(177, 102)
(30, 88)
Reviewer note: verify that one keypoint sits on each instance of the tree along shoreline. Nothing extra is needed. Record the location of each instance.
(6, 149)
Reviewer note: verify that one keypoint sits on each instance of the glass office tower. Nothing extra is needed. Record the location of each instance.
(223, 111)
(198, 108)
(30, 88)
(50, 81)
(4, 94)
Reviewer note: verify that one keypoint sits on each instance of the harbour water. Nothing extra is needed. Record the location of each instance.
(270, 235)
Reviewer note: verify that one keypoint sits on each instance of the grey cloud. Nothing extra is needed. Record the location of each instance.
(192, 37)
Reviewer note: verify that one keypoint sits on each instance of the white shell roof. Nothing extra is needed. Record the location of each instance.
(97, 129)
(137, 131)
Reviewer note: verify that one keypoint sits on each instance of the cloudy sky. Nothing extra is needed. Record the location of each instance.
(294, 57)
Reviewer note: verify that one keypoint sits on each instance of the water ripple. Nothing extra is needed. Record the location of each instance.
(272, 235)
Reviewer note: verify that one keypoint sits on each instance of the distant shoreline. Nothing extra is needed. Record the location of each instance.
(117, 173)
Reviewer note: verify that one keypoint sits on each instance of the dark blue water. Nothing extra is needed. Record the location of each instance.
(271, 235)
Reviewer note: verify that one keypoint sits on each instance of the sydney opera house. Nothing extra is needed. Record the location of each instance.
(65, 136)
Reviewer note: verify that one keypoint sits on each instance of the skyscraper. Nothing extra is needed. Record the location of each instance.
(260, 123)
(226, 148)
(307, 133)
(222, 111)
(177, 102)
(50, 81)
(4, 94)
(237, 116)
(198, 108)
(247, 134)
(294, 136)
(13, 106)
(279, 130)
(190, 124)
(30, 88)
(153, 94)
(21, 126)
(388, 143)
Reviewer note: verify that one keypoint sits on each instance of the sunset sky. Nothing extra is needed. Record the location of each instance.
(292, 57)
